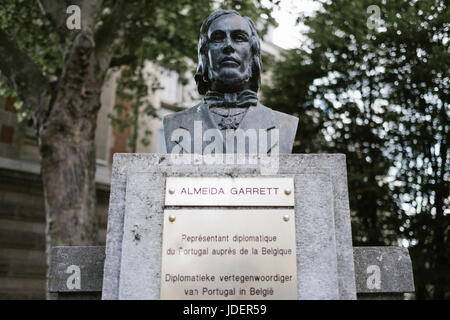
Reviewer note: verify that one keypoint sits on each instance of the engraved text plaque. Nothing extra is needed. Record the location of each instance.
(229, 254)
(228, 191)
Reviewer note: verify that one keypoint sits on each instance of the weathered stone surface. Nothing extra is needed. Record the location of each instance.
(66, 260)
(383, 269)
(134, 237)
(315, 238)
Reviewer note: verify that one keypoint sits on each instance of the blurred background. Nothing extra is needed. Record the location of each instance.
(369, 79)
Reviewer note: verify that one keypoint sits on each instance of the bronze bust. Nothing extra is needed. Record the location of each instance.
(229, 77)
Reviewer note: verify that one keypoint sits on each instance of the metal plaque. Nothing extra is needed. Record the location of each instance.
(229, 254)
(229, 191)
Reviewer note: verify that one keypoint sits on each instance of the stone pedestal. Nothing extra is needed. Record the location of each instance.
(381, 273)
(325, 262)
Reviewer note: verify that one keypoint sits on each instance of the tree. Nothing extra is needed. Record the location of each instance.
(55, 55)
(417, 64)
(379, 94)
(333, 86)
(289, 91)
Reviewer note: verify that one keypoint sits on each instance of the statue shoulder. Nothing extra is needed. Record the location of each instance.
(286, 120)
(287, 125)
(283, 119)
(178, 117)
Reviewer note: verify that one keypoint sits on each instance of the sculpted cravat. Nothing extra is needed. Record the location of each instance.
(229, 109)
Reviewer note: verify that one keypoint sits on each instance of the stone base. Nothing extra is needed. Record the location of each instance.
(394, 280)
(323, 234)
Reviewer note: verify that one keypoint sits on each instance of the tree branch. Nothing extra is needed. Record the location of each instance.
(23, 75)
(123, 60)
(55, 12)
(110, 36)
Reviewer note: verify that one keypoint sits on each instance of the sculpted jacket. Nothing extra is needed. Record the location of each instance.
(182, 128)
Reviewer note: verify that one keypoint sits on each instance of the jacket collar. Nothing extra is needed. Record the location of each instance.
(259, 117)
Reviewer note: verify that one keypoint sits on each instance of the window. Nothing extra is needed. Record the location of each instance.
(171, 92)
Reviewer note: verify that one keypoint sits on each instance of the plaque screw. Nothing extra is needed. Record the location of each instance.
(171, 218)
(286, 218)
(287, 191)
(171, 190)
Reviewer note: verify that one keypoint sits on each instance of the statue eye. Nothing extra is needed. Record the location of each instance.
(241, 37)
(217, 37)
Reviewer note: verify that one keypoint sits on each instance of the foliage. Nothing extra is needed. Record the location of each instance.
(289, 92)
(417, 63)
(381, 97)
(23, 21)
(165, 32)
(33, 33)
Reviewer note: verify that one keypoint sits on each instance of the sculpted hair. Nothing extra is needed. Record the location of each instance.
(201, 76)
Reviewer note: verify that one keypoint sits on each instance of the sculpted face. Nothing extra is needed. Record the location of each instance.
(229, 54)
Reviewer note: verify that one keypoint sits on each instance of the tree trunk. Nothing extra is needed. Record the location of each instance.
(67, 149)
(65, 113)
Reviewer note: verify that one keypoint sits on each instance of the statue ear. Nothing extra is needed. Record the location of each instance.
(205, 68)
(198, 77)
(201, 76)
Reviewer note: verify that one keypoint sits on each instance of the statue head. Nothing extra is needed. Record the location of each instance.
(229, 54)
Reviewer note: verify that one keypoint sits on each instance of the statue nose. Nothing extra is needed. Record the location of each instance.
(228, 45)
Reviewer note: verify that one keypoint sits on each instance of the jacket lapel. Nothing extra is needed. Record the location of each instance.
(259, 117)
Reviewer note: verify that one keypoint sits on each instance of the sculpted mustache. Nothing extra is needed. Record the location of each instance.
(229, 59)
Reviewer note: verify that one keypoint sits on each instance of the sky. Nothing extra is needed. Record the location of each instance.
(289, 35)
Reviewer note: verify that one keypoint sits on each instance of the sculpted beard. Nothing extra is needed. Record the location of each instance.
(229, 79)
